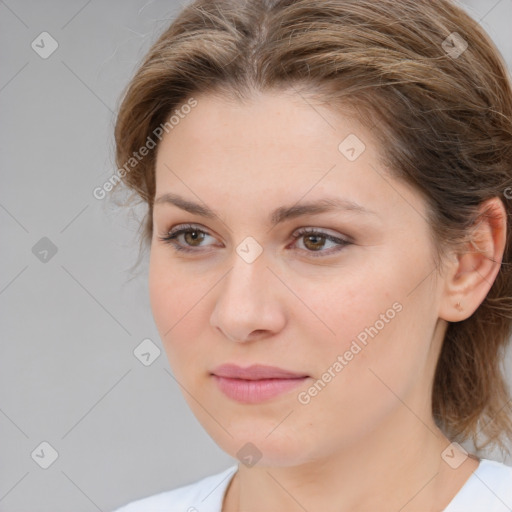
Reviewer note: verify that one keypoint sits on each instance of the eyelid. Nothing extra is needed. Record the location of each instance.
(302, 230)
(184, 227)
(320, 231)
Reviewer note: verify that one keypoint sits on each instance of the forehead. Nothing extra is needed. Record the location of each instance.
(273, 118)
(270, 133)
(274, 148)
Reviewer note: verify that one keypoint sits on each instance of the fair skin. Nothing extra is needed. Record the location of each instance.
(367, 441)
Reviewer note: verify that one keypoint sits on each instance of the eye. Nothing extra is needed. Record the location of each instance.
(185, 237)
(315, 241)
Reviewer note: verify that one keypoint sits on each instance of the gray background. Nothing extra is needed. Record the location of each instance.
(70, 324)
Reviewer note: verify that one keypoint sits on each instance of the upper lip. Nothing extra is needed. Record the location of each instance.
(255, 372)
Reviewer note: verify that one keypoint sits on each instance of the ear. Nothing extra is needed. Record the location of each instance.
(472, 271)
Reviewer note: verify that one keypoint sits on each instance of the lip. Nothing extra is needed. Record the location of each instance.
(256, 383)
(255, 372)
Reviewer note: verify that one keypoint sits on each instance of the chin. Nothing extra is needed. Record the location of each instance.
(250, 438)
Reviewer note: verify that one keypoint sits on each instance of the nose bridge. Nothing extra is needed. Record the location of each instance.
(246, 282)
(244, 302)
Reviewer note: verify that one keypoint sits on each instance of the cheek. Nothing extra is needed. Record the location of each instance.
(162, 293)
(370, 320)
(346, 306)
(178, 306)
(181, 310)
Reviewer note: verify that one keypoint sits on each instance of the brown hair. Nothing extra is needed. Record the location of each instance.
(443, 114)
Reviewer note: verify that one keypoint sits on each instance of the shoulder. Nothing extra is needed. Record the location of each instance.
(205, 495)
(489, 488)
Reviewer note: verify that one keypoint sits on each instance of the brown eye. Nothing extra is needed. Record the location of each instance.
(317, 243)
(314, 242)
(194, 238)
(187, 238)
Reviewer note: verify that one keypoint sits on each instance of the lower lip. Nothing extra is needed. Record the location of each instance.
(255, 391)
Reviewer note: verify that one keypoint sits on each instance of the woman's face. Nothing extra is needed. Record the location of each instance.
(350, 307)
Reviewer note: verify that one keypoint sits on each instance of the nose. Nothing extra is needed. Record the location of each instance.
(249, 304)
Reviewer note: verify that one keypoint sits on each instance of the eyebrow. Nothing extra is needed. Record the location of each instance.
(279, 215)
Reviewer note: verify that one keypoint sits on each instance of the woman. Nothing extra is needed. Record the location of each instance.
(329, 197)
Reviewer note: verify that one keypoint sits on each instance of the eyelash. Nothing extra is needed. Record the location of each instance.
(171, 236)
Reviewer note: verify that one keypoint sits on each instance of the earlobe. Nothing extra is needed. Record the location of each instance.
(474, 269)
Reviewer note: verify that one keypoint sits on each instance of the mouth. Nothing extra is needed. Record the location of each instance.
(255, 384)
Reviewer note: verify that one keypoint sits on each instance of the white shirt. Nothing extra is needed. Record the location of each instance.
(488, 489)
